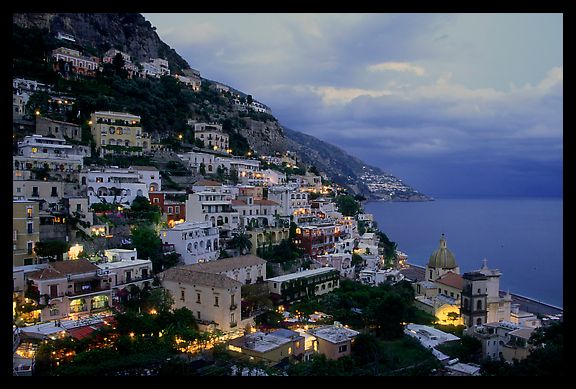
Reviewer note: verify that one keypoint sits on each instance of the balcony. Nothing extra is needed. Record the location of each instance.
(134, 280)
(233, 307)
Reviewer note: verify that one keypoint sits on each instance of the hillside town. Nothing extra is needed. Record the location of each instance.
(229, 264)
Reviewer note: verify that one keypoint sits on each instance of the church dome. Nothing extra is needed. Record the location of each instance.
(442, 258)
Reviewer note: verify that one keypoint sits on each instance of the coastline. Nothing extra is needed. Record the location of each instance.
(528, 304)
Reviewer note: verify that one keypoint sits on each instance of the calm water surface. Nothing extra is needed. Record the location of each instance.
(523, 237)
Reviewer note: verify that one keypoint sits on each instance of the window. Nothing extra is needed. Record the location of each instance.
(182, 295)
(30, 228)
(155, 200)
(78, 207)
(169, 210)
(54, 312)
(29, 212)
(343, 348)
(198, 314)
(198, 298)
(30, 246)
(54, 192)
(216, 301)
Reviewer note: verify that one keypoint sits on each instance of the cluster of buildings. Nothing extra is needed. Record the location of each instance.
(473, 299)
(55, 195)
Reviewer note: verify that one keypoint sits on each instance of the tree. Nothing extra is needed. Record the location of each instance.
(159, 299)
(149, 245)
(52, 249)
(118, 63)
(347, 205)
(453, 316)
(241, 241)
(141, 209)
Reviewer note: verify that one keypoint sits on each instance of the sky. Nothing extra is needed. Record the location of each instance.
(452, 104)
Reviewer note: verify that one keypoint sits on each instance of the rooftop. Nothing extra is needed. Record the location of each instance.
(60, 269)
(225, 264)
(260, 341)
(190, 277)
(333, 334)
(305, 273)
(452, 279)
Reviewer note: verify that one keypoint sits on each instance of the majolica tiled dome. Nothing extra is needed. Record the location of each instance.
(442, 258)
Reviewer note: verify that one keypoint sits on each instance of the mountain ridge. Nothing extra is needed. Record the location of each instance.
(133, 34)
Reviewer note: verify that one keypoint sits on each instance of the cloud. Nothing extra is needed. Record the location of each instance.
(397, 67)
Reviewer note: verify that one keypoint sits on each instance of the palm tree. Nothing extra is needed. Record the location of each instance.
(241, 241)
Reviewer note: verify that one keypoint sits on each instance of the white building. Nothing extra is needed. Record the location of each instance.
(340, 262)
(119, 185)
(75, 57)
(212, 135)
(375, 277)
(214, 207)
(291, 200)
(194, 241)
(123, 268)
(259, 213)
(37, 151)
(264, 178)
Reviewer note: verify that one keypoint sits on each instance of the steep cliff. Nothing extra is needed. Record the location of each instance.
(165, 106)
(128, 32)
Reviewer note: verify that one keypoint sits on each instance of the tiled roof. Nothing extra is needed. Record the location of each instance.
(225, 264)
(451, 279)
(60, 269)
(238, 202)
(207, 183)
(190, 277)
(414, 273)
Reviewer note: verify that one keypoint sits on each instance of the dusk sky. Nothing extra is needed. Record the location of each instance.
(452, 104)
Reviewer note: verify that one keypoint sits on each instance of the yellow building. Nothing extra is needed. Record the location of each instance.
(26, 232)
(118, 129)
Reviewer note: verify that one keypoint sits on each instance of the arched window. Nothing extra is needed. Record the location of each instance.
(196, 246)
(189, 247)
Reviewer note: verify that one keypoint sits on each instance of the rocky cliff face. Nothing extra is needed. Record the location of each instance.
(266, 138)
(128, 32)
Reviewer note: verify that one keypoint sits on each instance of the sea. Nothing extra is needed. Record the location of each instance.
(520, 236)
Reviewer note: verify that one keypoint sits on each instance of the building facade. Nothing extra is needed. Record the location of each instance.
(213, 298)
(194, 241)
(118, 132)
(307, 283)
(25, 231)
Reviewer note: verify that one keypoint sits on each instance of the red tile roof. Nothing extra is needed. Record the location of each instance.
(60, 269)
(207, 183)
(452, 279)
